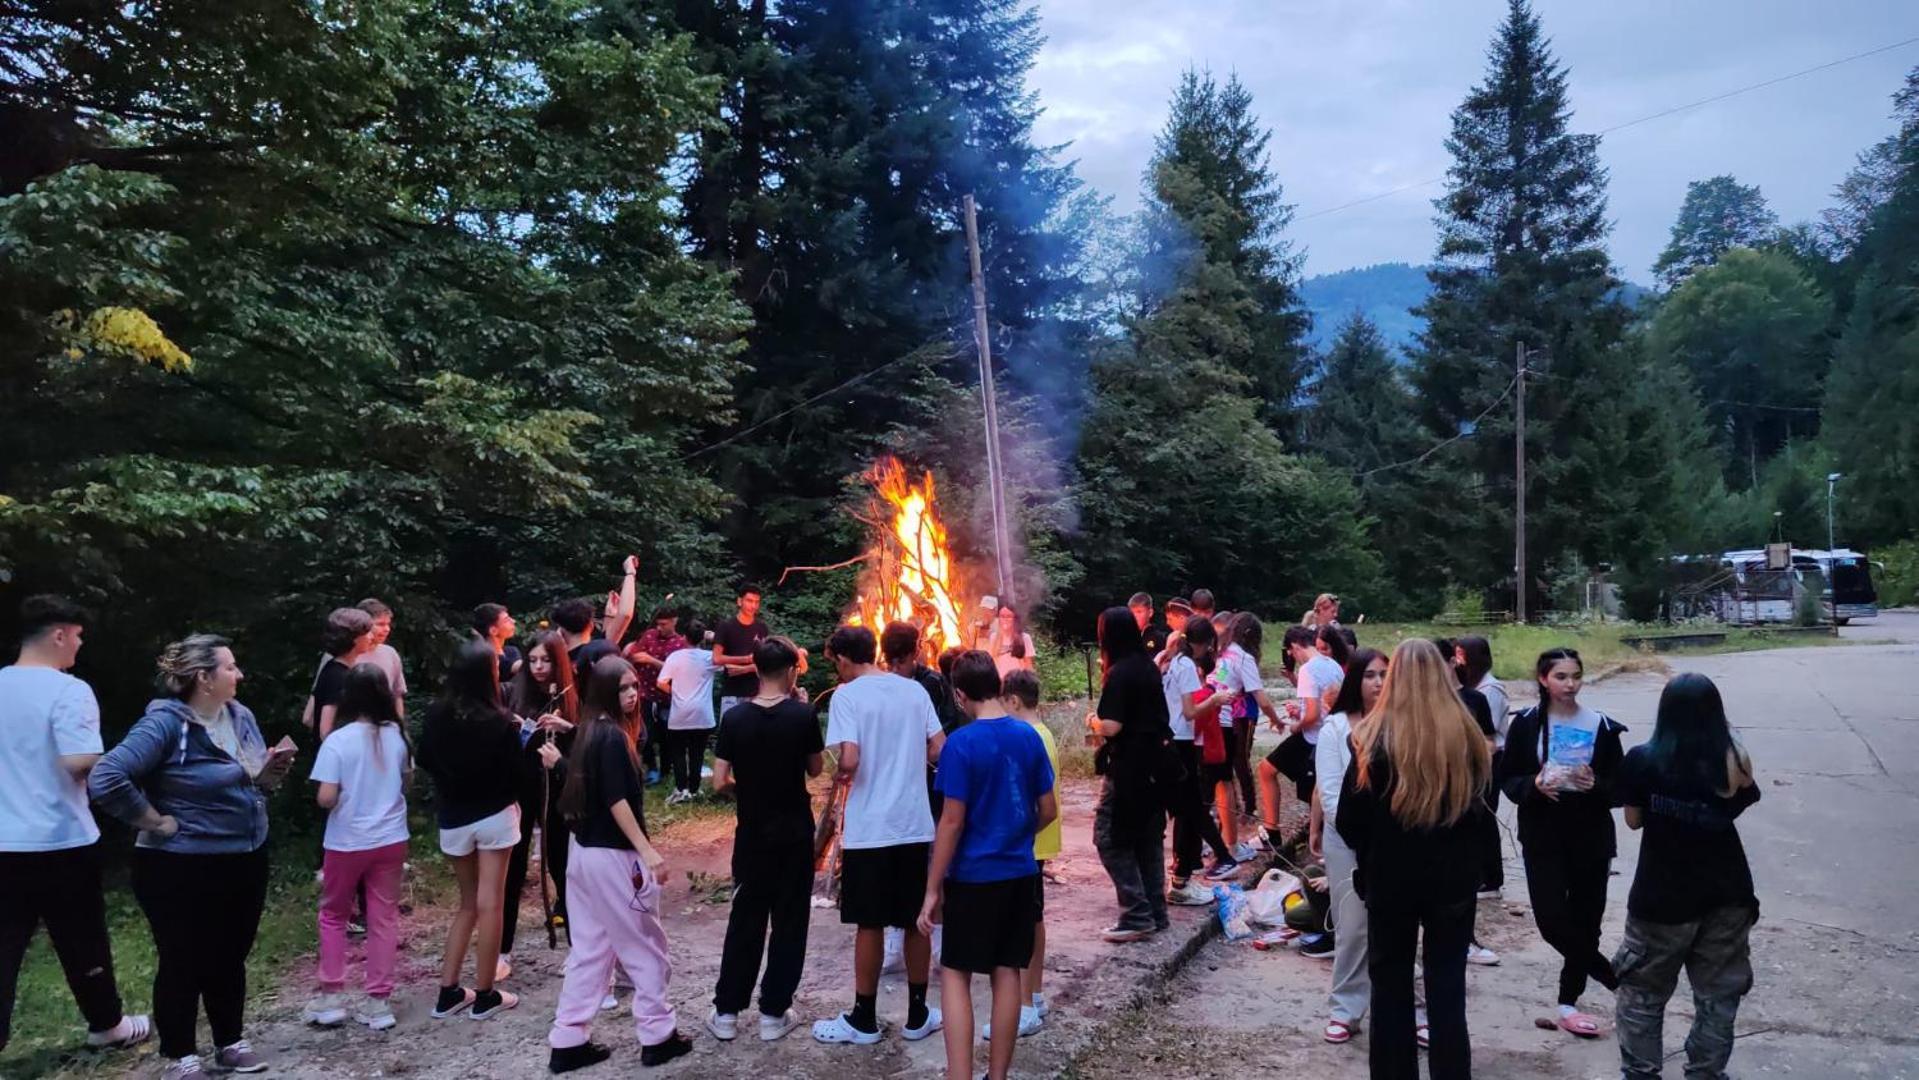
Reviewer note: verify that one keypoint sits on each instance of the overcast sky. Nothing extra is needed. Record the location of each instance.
(1358, 94)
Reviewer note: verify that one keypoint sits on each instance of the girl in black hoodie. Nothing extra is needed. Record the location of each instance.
(1559, 767)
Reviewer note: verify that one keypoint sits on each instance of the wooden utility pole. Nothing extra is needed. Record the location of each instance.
(1519, 483)
(996, 479)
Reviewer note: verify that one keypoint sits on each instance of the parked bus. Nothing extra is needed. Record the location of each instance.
(1747, 591)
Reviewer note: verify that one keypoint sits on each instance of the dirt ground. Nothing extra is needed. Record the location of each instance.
(1088, 983)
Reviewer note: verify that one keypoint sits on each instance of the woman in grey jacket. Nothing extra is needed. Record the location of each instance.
(192, 777)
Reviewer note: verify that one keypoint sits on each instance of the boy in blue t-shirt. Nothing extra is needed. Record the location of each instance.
(998, 791)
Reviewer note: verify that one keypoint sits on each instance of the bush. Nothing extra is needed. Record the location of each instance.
(1898, 583)
(1463, 605)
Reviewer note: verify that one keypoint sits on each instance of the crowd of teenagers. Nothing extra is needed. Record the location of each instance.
(944, 816)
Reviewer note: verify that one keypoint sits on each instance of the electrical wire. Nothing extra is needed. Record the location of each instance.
(1467, 431)
(829, 392)
(1635, 122)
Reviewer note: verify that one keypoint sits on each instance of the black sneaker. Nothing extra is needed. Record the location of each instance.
(676, 1045)
(577, 1057)
(1320, 948)
(490, 1003)
(451, 1000)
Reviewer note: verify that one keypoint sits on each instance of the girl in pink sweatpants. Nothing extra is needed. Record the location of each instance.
(613, 878)
(362, 769)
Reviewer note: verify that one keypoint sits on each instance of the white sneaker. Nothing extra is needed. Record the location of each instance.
(1041, 1007)
(774, 1028)
(327, 1010)
(609, 1002)
(133, 1029)
(724, 1026)
(841, 1030)
(1491, 894)
(183, 1068)
(503, 967)
(1481, 955)
(375, 1013)
(1191, 894)
(932, 1025)
(1244, 851)
(1030, 1021)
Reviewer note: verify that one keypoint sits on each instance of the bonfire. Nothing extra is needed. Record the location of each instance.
(909, 574)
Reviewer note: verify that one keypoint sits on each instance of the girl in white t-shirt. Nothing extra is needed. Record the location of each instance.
(363, 769)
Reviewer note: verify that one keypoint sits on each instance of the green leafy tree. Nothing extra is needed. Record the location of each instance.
(1719, 214)
(308, 303)
(1751, 331)
(1218, 280)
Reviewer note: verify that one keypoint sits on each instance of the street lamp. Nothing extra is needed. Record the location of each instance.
(1831, 480)
(1779, 526)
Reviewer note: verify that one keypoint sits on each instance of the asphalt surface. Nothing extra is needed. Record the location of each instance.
(1834, 846)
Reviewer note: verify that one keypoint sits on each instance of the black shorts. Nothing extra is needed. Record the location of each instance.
(1221, 773)
(990, 924)
(883, 886)
(1039, 893)
(1296, 760)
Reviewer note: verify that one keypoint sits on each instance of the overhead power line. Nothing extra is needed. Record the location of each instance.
(1466, 431)
(1636, 121)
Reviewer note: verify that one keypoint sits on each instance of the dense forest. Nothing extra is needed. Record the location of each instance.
(446, 302)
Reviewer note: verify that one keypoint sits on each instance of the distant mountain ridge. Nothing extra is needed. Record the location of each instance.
(1386, 293)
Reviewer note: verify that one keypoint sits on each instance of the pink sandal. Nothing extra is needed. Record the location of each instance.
(1339, 1031)
(1581, 1025)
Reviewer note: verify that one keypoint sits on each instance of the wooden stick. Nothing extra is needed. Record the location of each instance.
(854, 561)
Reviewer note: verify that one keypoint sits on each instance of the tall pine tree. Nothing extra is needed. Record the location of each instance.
(850, 134)
(1521, 261)
(1362, 421)
(1218, 280)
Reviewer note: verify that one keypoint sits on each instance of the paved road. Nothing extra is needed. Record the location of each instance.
(1834, 733)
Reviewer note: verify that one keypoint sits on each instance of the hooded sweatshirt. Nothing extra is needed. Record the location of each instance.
(170, 763)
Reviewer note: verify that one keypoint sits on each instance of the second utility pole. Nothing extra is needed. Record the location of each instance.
(1519, 484)
(995, 463)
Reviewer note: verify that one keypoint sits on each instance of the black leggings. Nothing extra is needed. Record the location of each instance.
(204, 911)
(554, 835)
(1568, 892)
(686, 753)
(1192, 815)
(1239, 754)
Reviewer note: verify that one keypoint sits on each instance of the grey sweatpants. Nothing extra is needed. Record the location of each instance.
(1718, 963)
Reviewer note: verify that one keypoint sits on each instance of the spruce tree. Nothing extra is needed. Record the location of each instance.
(1218, 280)
(1521, 260)
(852, 132)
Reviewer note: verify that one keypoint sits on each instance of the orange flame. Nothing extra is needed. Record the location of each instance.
(910, 575)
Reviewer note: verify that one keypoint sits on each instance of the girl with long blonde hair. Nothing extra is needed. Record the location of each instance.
(1407, 808)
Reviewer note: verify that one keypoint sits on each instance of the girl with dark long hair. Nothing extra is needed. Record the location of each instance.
(1473, 659)
(472, 748)
(1559, 766)
(1239, 660)
(1129, 824)
(363, 770)
(1406, 809)
(615, 876)
(1352, 990)
(543, 695)
(1692, 903)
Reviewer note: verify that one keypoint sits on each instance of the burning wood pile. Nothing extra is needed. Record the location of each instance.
(909, 572)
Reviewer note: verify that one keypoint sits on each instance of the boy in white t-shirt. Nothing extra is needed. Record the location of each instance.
(688, 676)
(49, 845)
(885, 731)
(363, 769)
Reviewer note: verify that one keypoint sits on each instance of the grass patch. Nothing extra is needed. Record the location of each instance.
(47, 1029)
(1516, 647)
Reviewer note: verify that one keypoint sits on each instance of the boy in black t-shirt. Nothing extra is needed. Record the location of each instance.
(769, 746)
(734, 642)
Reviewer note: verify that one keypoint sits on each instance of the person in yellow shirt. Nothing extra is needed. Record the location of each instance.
(1020, 695)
